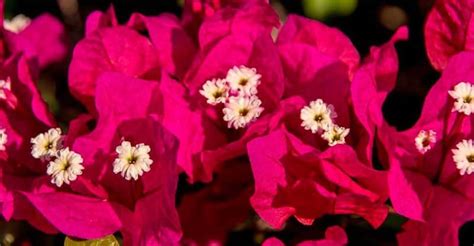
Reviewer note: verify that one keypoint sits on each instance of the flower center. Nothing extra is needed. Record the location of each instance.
(66, 165)
(467, 99)
(470, 158)
(243, 81)
(132, 160)
(217, 94)
(49, 146)
(65, 168)
(318, 118)
(243, 112)
(426, 142)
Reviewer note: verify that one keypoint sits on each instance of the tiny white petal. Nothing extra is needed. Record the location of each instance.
(132, 161)
(47, 144)
(215, 91)
(5, 85)
(463, 156)
(65, 168)
(3, 139)
(243, 80)
(463, 95)
(17, 23)
(425, 140)
(240, 111)
(317, 116)
(335, 135)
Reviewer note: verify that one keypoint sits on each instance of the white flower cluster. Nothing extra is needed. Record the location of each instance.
(132, 161)
(318, 117)
(3, 139)
(238, 92)
(463, 94)
(463, 156)
(64, 165)
(425, 140)
(17, 24)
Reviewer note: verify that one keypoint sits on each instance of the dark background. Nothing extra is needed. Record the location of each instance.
(371, 22)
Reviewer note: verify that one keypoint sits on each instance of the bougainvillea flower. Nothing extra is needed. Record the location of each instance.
(102, 50)
(295, 179)
(209, 128)
(303, 166)
(43, 40)
(23, 115)
(427, 179)
(251, 19)
(209, 7)
(334, 236)
(306, 32)
(448, 30)
(129, 169)
(372, 82)
(195, 11)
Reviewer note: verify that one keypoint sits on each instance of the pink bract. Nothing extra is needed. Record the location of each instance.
(43, 41)
(448, 30)
(422, 185)
(100, 194)
(23, 115)
(205, 140)
(110, 47)
(300, 175)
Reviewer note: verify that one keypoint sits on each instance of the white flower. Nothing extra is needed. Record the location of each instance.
(464, 156)
(425, 140)
(47, 144)
(66, 167)
(244, 80)
(17, 24)
(132, 161)
(3, 139)
(463, 93)
(317, 116)
(240, 111)
(335, 135)
(215, 90)
(5, 85)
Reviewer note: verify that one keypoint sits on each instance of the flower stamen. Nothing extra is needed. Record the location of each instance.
(335, 135)
(425, 140)
(463, 156)
(47, 144)
(17, 23)
(244, 80)
(317, 116)
(463, 95)
(240, 111)
(66, 167)
(215, 91)
(132, 161)
(3, 139)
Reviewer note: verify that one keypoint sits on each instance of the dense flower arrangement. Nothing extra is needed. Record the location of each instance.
(275, 120)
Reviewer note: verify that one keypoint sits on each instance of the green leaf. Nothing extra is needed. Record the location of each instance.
(105, 241)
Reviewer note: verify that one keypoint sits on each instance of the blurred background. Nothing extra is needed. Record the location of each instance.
(366, 22)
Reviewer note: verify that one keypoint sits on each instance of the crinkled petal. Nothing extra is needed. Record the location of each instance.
(75, 215)
(327, 40)
(44, 40)
(448, 30)
(116, 49)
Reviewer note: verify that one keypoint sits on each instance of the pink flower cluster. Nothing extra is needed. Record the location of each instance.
(280, 119)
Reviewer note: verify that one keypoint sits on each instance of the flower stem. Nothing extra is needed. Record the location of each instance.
(448, 139)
